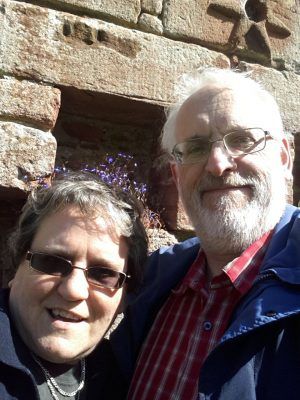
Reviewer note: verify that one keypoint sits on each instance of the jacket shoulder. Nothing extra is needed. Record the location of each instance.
(173, 259)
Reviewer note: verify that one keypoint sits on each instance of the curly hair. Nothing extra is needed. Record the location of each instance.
(92, 196)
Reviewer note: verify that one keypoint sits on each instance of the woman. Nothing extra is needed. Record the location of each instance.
(77, 247)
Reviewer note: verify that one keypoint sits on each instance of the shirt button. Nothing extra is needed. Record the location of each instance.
(207, 325)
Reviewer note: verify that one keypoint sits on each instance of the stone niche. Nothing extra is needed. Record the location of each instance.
(92, 125)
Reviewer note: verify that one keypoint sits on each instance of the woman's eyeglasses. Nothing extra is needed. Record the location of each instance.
(58, 266)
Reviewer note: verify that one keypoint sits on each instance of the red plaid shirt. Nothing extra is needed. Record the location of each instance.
(189, 326)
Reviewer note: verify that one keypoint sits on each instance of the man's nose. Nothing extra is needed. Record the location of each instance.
(74, 287)
(219, 160)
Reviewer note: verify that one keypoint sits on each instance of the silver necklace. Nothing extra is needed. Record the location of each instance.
(53, 385)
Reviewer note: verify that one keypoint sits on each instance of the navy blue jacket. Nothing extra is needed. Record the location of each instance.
(258, 356)
(16, 363)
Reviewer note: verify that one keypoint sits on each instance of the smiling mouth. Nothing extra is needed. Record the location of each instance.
(225, 188)
(64, 316)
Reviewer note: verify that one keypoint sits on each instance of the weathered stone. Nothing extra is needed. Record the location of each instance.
(121, 61)
(150, 23)
(152, 6)
(128, 10)
(24, 151)
(164, 199)
(182, 222)
(285, 47)
(159, 238)
(29, 102)
(285, 86)
(267, 32)
(173, 213)
(190, 19)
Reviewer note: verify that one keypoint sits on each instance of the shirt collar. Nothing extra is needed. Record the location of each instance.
(196, 275)
(240, 272)
(245, 267)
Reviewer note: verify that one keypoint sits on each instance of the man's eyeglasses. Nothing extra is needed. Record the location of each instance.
(237, 143)
(58, 266)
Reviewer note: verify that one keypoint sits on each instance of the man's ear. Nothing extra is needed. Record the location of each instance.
(286, 158)
(174, 170)
(10, 283)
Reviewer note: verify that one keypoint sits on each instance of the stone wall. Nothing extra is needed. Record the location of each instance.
(83, 78)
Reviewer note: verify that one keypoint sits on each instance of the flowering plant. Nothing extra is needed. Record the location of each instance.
(120, 170)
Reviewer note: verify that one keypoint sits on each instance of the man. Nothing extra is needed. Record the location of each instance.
(219, 319)
(78, 246)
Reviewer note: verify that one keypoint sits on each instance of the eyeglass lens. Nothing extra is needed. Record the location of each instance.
(237, 142)
(245, 141)
(58, 266)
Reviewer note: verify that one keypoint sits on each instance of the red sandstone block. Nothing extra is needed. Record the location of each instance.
(29, 102)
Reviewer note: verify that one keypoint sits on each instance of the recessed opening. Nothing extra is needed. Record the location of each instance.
(256, 10)
(93, 126)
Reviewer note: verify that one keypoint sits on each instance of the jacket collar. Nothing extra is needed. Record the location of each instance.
(269, 300)
(283, 254)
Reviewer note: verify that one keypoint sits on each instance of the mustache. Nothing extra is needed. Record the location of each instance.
(210, 182)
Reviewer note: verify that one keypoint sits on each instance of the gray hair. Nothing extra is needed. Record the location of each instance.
(190, 83)
(92, 196)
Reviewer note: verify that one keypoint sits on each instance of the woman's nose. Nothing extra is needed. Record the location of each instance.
(74, 286)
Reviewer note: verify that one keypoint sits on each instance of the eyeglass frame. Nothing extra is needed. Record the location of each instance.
(123, 277)
(176, 156)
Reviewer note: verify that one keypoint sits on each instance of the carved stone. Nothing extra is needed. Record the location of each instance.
(285, 87)
(189, 20)
(88, 54)
(266, 31)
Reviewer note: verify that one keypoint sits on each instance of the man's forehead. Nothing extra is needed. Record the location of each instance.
(203, 104)
(217, 110)
(213, 97)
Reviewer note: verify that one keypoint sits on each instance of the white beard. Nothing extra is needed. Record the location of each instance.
(230, 228)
